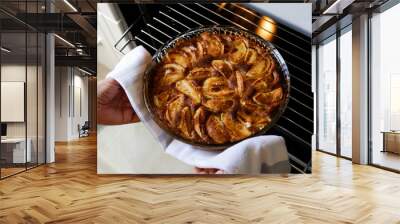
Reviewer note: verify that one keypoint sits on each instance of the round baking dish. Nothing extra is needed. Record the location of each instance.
(281, 67)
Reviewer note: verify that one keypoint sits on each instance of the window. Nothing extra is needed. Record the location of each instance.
(346, 92)
(327, 96)
(385, 89)
(329, 111)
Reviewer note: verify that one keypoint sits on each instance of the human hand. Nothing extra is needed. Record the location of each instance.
(113, 106)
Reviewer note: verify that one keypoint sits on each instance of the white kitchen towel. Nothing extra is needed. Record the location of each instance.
(129, 74)
(261, 154)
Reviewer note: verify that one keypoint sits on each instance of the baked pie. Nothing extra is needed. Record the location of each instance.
(216, 88)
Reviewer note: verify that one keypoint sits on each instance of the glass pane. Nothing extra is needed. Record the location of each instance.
(13, 87)
(32, 88)
(31, 99)
(327, 96)
(41, 99)
(385, 84)
(346, 94)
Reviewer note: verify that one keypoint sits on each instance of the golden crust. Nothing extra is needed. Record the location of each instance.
(216, 88)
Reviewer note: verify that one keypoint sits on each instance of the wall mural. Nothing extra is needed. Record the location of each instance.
(204, 89)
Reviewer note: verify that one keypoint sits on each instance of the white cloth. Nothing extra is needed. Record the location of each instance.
(262, 154)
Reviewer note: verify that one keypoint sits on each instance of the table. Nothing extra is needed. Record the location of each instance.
(15, 148)
(391, 141)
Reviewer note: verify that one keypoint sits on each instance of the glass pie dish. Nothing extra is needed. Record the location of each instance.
(215, 86)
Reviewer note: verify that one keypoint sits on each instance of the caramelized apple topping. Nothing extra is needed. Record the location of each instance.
(216, 88)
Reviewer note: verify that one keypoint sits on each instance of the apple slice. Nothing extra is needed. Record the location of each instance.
(268, 98)
(191, 52)
(239, 84)
(251, 56)
(236, 129)
(185, 124)
(257, 70)
(178, 58)
(174, 109)
(239, 49)
(261, 68)
(216, 87)
(219, 104)
(198, 120)
(189, 89)
(163, 98)
(216, 130)
(215, 47)
(223, 67)
(200, 73)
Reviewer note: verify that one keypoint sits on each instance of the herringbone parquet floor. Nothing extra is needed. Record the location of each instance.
(69, 191)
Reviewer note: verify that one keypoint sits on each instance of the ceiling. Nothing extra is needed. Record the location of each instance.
(74, 22)
(328, 13)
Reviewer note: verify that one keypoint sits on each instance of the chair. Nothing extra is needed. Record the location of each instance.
(84, 130)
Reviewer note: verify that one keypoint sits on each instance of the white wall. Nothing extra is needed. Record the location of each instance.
(80, 98)
(61, 103)
(111, 27)
(70, 83)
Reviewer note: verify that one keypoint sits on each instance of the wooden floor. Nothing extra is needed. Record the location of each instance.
(10, 171)
(5, 172)
(69, 191)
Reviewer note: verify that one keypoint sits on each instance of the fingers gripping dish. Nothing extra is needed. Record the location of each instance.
(216, 88)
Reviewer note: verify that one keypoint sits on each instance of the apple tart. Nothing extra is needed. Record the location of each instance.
(216, 88)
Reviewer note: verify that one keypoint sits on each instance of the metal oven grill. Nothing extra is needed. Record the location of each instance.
(152, 25)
